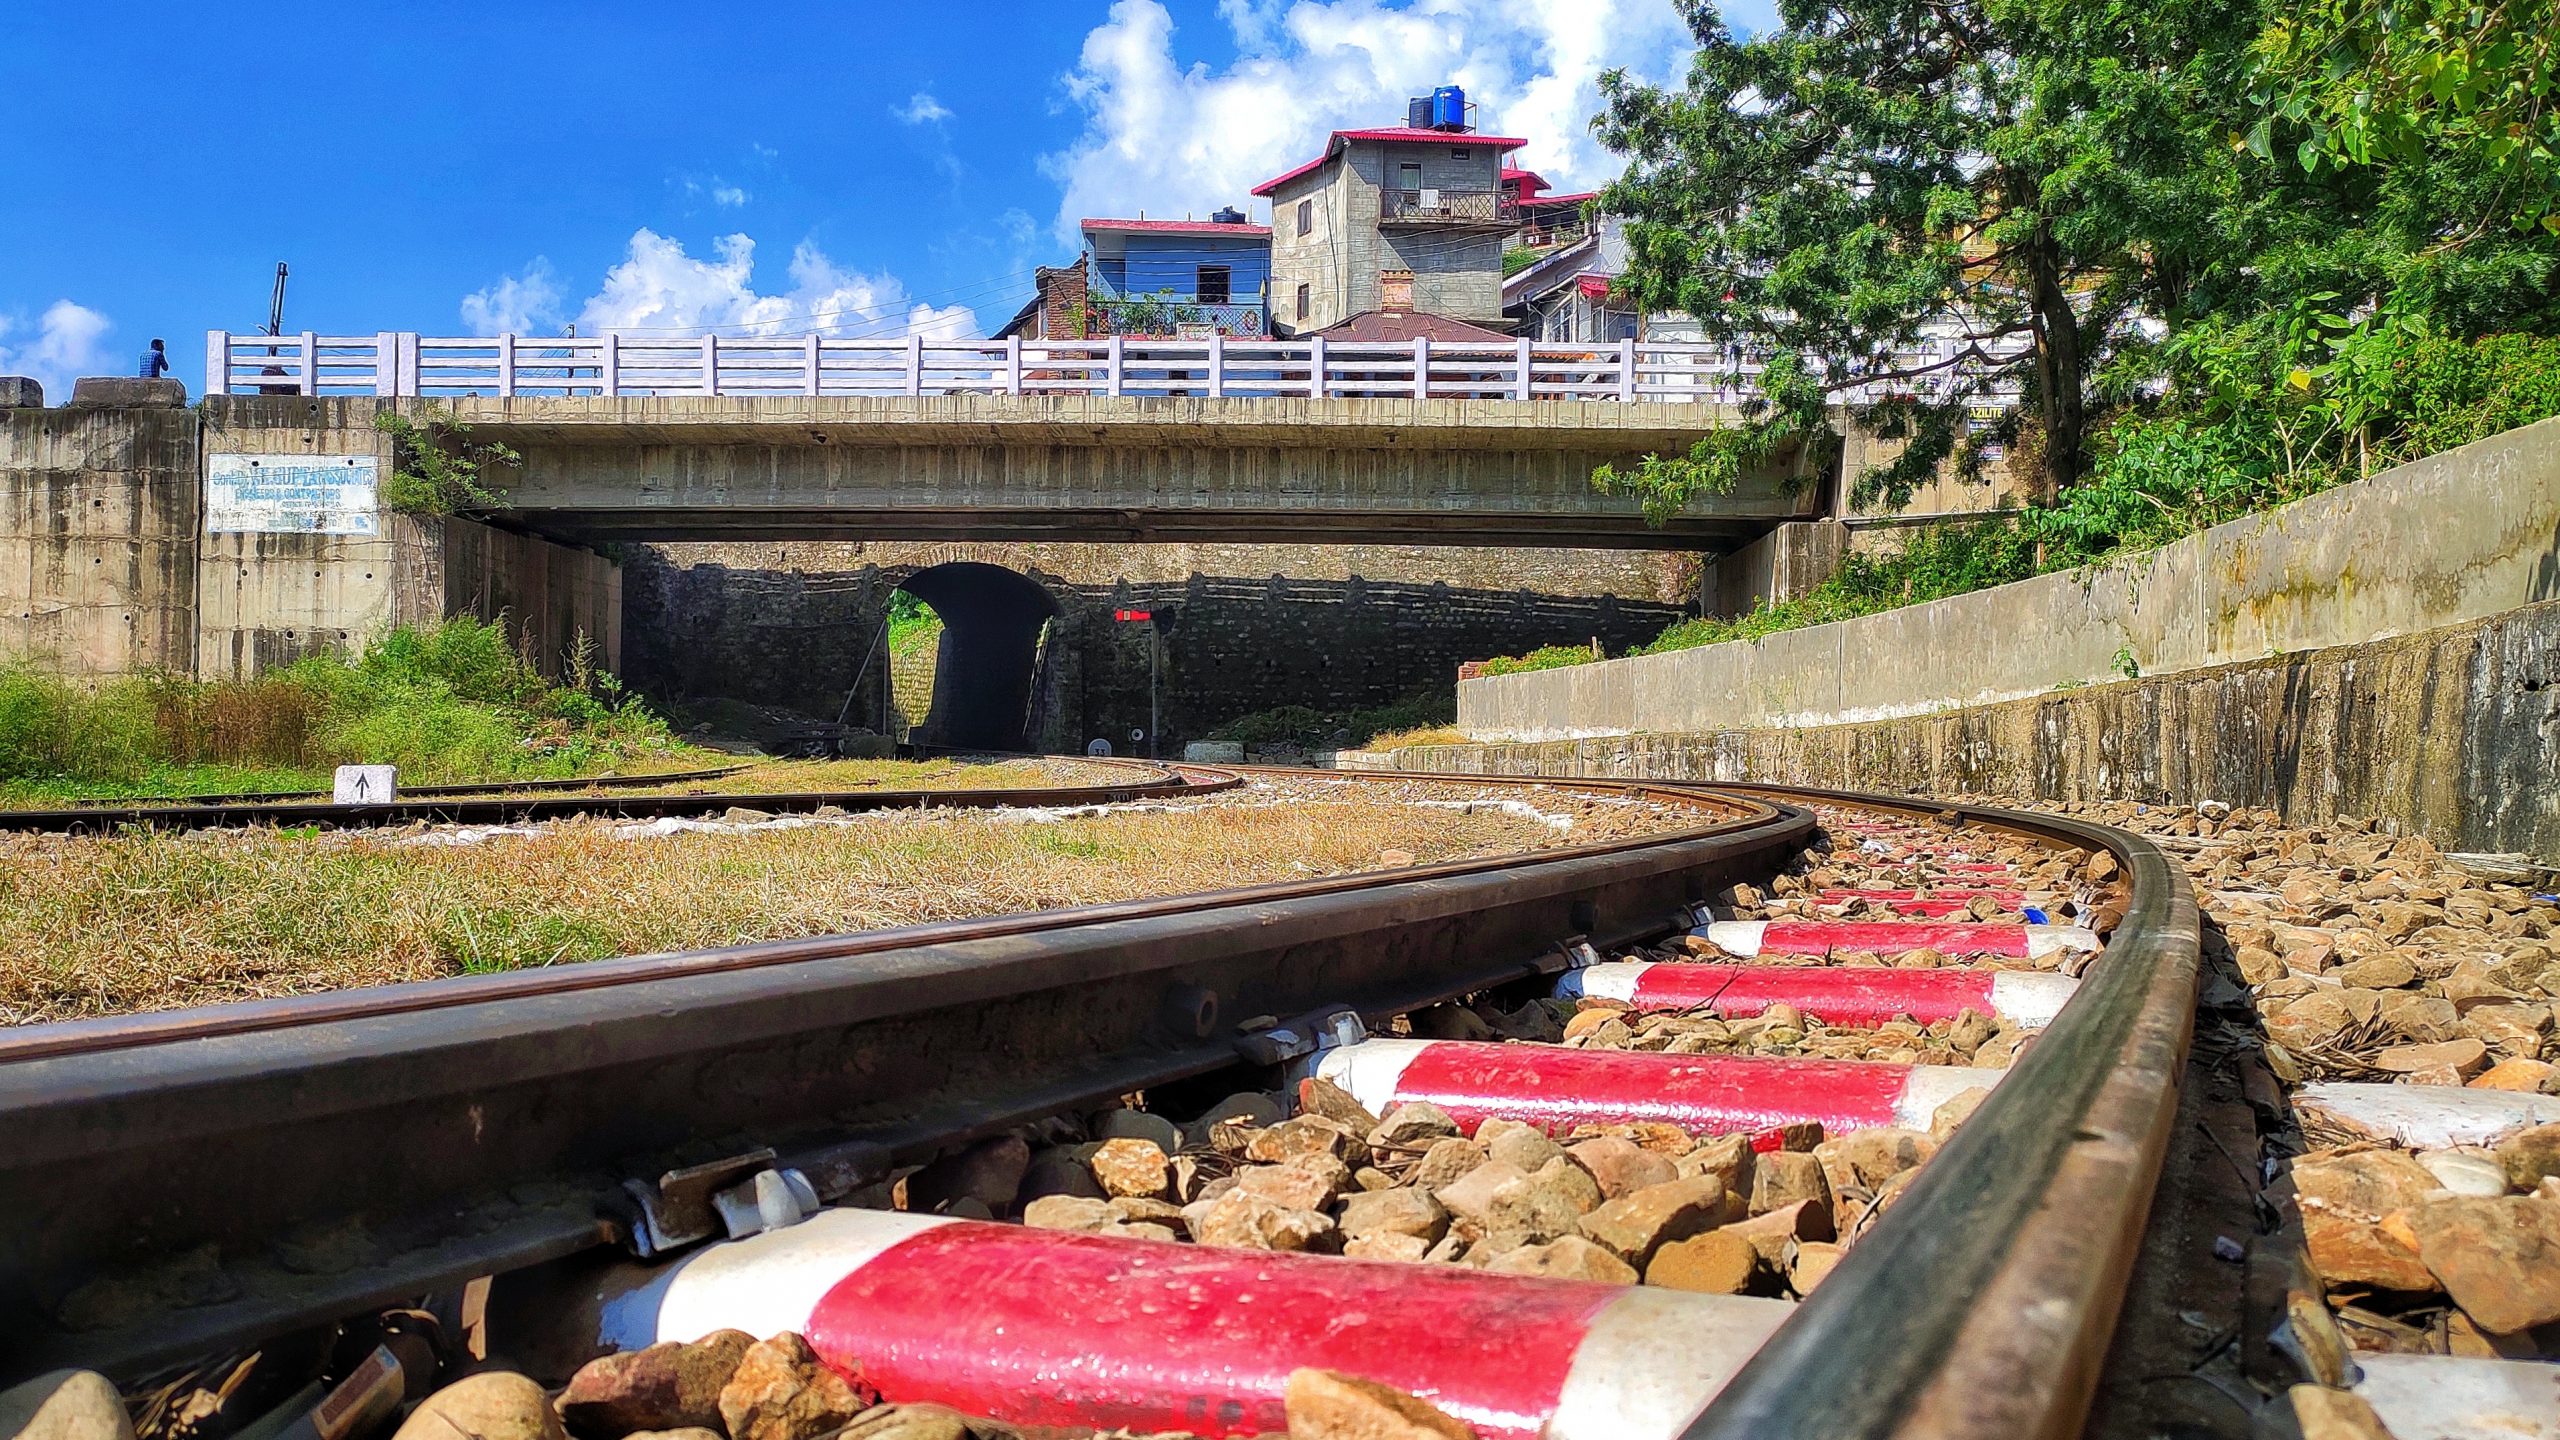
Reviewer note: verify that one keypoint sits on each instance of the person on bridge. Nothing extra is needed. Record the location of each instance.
(155, 361)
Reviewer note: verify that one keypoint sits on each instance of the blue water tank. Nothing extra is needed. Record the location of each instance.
(1449, 108)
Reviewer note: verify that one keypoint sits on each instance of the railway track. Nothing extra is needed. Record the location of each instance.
(650, 1149)
(523, 802)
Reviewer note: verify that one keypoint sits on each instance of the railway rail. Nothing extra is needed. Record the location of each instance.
(523, 802)
(650, 1146)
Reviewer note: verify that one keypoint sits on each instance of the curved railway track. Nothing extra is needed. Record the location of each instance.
(525, 801)
(420, 1136)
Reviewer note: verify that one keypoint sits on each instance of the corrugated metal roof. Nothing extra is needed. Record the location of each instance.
(1333, 145)
(1177, 227)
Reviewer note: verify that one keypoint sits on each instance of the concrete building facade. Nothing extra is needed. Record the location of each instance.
(1400, 213)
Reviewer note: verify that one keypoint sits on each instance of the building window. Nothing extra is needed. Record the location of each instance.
(1411, 176)
(1457, 152)
(1212, 286)
(1304, 302)
(1306, 217)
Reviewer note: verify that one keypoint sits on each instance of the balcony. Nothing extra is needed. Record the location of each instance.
(1448, 209)
(1170, 316)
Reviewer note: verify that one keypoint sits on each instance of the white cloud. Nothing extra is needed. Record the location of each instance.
(922, 109)
(1173, 138)
(729, 196)
(525, 304)
(659, 289)
(66, 345)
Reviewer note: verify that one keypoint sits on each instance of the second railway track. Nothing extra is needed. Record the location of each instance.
(420, 1137)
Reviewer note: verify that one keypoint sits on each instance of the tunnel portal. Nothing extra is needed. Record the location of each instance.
(989, 661)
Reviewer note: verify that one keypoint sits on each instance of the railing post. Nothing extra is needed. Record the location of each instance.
(1421, 367)
(1013, 364)
(1113, 371)
(813, 357)
(609, 374)
(410, 382)
(1627, 369)
(711, 363)
(310, 363)
(217, 362)
(507, 364)
(915, 364)
(1520, 389)
(1217, 365)
(1315, 367)
(386, 363)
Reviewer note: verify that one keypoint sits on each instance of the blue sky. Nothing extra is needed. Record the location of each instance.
(855, 168)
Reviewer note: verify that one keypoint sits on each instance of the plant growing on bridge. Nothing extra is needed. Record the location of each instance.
(438, 469)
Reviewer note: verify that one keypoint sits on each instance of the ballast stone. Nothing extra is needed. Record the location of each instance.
(64, 1405)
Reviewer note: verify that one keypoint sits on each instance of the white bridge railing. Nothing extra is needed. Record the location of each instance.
(404, 363)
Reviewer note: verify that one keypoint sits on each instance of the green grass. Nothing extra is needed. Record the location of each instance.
(454, 702)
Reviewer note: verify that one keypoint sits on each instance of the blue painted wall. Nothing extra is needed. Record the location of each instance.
(1146, 264)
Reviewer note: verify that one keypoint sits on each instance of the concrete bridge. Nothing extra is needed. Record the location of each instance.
(1127, 441)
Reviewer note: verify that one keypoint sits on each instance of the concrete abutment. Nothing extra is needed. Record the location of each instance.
(109, 564)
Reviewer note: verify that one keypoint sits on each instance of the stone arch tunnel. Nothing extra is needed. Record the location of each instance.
(990, 658)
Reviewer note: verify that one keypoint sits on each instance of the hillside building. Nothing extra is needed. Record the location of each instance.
(1416, 213)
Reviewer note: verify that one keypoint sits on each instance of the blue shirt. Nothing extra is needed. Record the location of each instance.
(155, 363)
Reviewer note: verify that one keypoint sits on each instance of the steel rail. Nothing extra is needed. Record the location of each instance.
(1982, 1304)
(478, 807)
(483, 787)
(288, 1162)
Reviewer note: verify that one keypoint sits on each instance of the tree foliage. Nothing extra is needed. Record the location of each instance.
(2404, 81)
(2024, 175)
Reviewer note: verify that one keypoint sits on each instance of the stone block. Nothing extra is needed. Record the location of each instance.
(18, 392)
(123, 392)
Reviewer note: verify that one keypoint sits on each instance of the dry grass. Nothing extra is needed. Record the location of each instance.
(1427, 735)
(151, 921)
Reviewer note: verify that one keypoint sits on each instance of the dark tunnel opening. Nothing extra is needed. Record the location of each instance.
(989, 660)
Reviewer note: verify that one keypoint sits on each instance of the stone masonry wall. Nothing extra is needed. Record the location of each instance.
(1246, 627)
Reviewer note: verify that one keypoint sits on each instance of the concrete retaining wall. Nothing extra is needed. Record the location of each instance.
(2453, 733)
(2455, 537)
(106, 568)
(98, 522)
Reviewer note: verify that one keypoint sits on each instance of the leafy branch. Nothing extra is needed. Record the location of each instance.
(438, 469)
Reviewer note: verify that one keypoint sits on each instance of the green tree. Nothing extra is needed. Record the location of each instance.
(2400, 81)
(2029, 174)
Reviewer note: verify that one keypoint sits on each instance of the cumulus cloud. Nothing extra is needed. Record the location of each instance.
(1173, 137)
(657, 288)
(64, 343)
(521, 304)
(729, 196)
(922, 109)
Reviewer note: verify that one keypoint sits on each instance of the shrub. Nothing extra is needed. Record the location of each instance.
(453, 702)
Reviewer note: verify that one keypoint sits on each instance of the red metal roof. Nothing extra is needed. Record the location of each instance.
(1512, 176)
(1543, 201)
(1594, 286)
(1176, 227)
(1432, 137)
(1276, 181)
